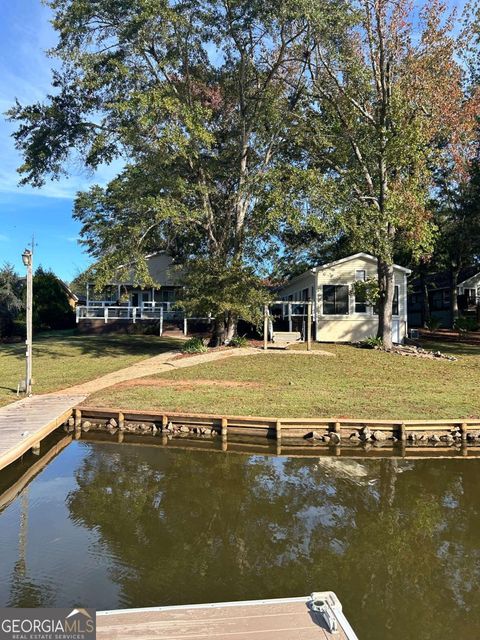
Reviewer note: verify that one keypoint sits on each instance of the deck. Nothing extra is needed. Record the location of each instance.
(25, 423)
(279, 619)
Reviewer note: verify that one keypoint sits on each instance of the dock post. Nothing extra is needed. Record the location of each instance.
(309, 325)
(278, 430)
(463, 431)
(164, 423)
(403, 432)
(224, 428)
(121, 421)
(78, 418)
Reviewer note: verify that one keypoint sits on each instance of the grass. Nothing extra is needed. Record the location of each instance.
(354, 383)
(62, 359)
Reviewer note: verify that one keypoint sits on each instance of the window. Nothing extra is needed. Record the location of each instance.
(335, 299)
(360, 274)
(396, 293)
(395, 305)
(305, 294)
(360, 303)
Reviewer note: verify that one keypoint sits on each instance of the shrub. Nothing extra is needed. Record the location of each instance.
(238, 341)
(194, 345)
(433, 324)
(465, 324)
(370, 343)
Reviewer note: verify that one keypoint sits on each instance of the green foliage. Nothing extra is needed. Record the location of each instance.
(194, 345)
(433, 324)
(51, 309)
(465, 324)
(367, 290)
(204, 136)
(222, 290)
(11, 301)
(370, 343)
(238, 341)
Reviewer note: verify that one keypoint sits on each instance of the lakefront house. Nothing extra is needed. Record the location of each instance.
(337, 315)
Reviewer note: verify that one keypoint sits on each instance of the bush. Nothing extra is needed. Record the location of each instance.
(194, 345)
(238, 341)
(433, 324)
(370, 343)
(465, 324)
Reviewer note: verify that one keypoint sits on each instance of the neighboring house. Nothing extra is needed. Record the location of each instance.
(124, 300)
(72, 298)
(337, 316)
(438, 286)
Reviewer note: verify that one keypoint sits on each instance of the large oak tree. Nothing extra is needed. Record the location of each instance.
(193, 96)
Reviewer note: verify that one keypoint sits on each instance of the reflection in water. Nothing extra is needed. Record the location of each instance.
(122, 526)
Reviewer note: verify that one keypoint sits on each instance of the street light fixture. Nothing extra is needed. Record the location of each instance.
(27, 258)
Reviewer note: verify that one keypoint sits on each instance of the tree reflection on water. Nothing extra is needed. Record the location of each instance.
(396, 540)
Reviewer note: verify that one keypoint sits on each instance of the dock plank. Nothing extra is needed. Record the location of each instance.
(284, 619)
(25, 423)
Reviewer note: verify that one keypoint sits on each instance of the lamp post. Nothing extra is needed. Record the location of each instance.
(27, 258)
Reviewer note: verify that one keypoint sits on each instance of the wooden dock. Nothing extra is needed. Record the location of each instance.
(278, 619)
(24, 424)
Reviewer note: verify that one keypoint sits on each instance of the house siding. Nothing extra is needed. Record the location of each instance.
(352, 326)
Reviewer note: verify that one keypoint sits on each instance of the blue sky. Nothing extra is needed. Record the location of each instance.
(25, 34)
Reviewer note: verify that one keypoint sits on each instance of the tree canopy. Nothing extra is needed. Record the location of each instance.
(244, 124)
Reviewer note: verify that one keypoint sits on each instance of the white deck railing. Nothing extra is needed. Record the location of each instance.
(106, 312)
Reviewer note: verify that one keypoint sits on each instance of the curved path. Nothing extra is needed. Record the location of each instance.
(158, 364)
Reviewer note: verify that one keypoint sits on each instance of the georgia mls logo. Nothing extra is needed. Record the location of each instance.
(47, 624)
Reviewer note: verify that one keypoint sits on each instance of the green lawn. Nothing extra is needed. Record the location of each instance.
(354, 383)
(61, 359)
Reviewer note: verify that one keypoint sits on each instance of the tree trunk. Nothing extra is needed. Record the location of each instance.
(231, 327)
(425, 301)
(454, 271)
(218, 335)
(224, 330)
(385, 302)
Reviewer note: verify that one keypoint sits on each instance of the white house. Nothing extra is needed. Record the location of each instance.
(125, 300)
(337, 316)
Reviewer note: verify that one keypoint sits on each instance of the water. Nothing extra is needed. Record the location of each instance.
(114, 526)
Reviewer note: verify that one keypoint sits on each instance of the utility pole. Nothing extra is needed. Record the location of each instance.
(27, 257)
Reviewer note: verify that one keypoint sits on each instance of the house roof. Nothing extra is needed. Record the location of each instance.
(328, 265)
(68, 291)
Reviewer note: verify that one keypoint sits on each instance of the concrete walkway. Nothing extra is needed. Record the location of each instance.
(158, 364)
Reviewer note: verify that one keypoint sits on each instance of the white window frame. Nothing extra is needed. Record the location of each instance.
(363, 278)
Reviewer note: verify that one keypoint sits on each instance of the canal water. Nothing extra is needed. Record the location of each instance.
(114, 526)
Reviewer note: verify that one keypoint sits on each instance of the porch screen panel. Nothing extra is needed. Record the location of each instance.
(335, 299)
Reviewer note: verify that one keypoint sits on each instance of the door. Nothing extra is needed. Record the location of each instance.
(396, 330)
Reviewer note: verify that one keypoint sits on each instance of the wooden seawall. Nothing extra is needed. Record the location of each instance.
(332, 432)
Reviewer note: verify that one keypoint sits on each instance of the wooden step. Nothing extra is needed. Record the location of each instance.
(287, 336)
